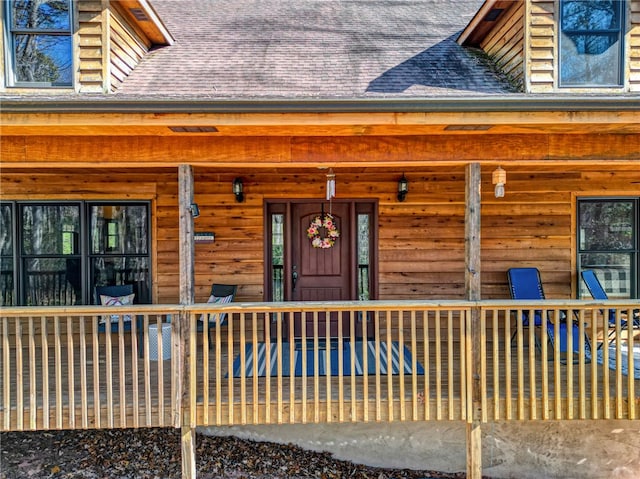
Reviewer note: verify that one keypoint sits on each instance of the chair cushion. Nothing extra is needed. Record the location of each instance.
(217, 300)
(116, 301)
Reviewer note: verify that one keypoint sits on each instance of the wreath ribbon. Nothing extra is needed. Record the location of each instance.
(313, 232)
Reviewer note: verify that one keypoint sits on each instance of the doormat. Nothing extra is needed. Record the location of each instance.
(257, 364)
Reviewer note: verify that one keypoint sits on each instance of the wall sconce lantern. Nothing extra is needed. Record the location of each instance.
(403, 188)
(237, 190)
(499, 179)
(195, 211)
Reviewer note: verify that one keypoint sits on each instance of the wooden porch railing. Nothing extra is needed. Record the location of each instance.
(385, 361)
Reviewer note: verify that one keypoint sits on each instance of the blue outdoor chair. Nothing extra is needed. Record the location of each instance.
(598, 292)
(526, 284)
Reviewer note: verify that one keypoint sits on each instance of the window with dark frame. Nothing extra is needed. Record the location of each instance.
(591, 43)
(609, 244)
(40, 43)
(57, 253)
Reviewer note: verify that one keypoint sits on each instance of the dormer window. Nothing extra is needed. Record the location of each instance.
(591, 43)
(40, 43)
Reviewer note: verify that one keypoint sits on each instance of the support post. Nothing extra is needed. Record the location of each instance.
(473, 293)
(187, 296)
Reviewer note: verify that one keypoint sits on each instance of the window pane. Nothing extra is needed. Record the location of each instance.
(109, 270)
(41, 14)
(6, 230)
(43, 58)
(277, 256)
(52, 281)
(590, 46)
(364, 293)
(50, 230)
(606, 225)
(613, 271)
(7, 297)
(119, 229)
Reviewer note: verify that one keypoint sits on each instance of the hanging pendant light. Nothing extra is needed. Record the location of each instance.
(499, 179)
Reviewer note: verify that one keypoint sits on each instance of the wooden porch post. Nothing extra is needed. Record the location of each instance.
(187, 296)
(473, 293)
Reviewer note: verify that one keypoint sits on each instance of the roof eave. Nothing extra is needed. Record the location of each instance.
(484, 104)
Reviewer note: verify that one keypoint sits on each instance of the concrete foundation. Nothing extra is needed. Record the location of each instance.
(522, 450)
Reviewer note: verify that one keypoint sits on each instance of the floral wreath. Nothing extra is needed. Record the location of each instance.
(313, 232)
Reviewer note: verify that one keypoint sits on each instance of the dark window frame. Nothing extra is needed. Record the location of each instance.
(633, 251)
(564, 34)
(19, 257)
(11, 32)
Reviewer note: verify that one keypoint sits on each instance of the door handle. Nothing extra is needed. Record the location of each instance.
(294, 278)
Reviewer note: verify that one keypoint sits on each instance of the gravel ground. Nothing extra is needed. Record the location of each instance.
(155, 454)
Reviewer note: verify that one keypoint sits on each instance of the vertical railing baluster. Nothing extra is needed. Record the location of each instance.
(292, 371)
(316, 369)
(496, 358)
(279, 395)
(450, 363)
(95, 346)
(33, 391)
(414, 366)
(427, 364)
(532, 370)
(438, 340)
(378, 389)
(58, 371)
(84, 408)
(70, 373)
(544, 355)
(6, 376)
(243, 369)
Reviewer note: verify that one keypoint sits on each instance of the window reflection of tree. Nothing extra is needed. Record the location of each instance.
(590, 33)
(42, 41)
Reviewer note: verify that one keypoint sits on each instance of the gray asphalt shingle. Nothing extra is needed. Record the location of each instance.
(314, 49)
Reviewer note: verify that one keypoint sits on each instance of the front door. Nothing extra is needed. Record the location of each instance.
(322, 267)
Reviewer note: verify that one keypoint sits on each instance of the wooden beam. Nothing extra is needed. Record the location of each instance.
(473, 287)
(187, 295)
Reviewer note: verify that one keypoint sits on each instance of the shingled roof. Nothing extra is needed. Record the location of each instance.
(314, 49)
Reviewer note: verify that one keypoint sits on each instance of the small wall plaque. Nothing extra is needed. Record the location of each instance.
(204, 237)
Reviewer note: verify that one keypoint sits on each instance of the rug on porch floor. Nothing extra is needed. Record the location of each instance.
(624, 354)
(258, 364)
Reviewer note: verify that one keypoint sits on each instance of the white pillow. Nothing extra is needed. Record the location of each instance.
(217, 300)
(116, 301)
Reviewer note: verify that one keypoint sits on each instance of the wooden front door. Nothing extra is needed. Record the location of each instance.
(321, 274)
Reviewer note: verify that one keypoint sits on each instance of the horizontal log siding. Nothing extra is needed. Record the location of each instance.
(421, 241)
(542, 46)
(505, 44)
(91, 48)
(127, 48)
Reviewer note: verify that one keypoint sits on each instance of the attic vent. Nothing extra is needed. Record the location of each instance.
(493, 14)
(467, 127)
(193, 129)
(139, 14)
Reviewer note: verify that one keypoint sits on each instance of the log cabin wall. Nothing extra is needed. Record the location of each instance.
(541, 24)
(92, 51)
(421, 241)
